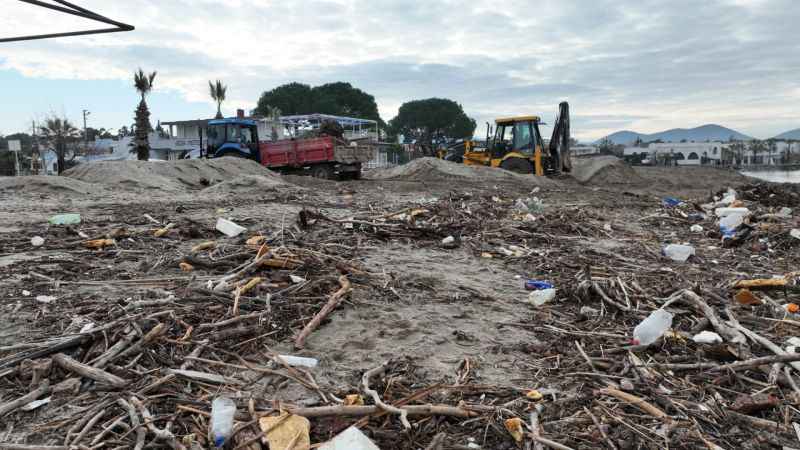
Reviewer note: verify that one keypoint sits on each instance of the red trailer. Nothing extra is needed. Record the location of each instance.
(322, 157)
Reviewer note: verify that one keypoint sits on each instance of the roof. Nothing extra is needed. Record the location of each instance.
(188, 122)
(320, 117)
(231, 120)
(518, 119)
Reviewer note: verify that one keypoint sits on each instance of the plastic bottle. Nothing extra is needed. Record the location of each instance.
(729, 224)
(678, 252)
(534, 285)
(652, 328)
(539, 298)
(222, 411)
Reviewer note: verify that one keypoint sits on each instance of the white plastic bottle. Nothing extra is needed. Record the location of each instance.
(679, 253)
(652, 328)
(222, 411)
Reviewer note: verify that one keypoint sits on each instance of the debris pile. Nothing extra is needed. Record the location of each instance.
(186, 331)
(604, 170)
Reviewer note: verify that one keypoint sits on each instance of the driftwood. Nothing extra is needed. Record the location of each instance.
(99, 375)
(164, 435)
(136, 424)
(377, 398)
(332, 303)
(12, 405)
(638, 402)
(412, 411)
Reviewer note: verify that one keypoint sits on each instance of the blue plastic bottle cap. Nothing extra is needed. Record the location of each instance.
(219, 441)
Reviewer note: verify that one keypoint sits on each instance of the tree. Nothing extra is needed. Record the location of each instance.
(143, 84)
(606, 146)
(218, 92)
(292, 98)
(340, 99)
(431, 120)
(58, 132)
(123, 131)
(756, 146)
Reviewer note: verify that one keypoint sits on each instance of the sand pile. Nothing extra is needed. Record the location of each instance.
(432, 169)
(246, 184)
(604, 170)
(171, 176)
(41, 184)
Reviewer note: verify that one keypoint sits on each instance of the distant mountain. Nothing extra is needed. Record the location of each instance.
(700, 134)
(794, 134)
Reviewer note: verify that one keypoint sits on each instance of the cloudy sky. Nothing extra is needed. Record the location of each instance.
(644, 65)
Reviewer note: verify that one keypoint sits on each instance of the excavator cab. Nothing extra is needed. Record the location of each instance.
(518, 146)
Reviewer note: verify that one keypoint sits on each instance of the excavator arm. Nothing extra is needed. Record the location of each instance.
(559, 142)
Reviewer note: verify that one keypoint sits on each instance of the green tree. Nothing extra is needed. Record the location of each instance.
(292, 98)
(143, 84)
(756, 146)
(218, 92)
(58, 132)
(431, 120)
(606, 146)
(340, 99)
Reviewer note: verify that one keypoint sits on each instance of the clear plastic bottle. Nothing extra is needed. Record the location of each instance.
(222, 411)
(652, 328)
(678, 252)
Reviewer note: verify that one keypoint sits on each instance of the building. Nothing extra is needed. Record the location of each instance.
(585, 150)
(162, 147)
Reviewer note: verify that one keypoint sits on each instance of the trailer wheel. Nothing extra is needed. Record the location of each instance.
(322, 171)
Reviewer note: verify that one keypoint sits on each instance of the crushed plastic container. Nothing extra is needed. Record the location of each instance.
(730, 223)
(724, 212)
(696, 229)
(671, 202)
(223, 410)
(534, 285)
(541, 297)
(707, 337)
(229, 228)
(65, 219)
(653, 327)
(37, 241)
(795, 233)
(299, 361)
(350, 439)
(678, 252)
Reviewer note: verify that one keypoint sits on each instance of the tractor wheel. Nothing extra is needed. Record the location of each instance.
(322, 171)
(517, 165)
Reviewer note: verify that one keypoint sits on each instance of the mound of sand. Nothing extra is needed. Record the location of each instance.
(170, 176)
(432, 169)
(41, 184)
(245, 184)
(604, 170)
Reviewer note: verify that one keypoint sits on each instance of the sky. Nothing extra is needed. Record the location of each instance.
(643, 65)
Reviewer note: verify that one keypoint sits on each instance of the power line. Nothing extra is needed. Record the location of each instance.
(75, 10)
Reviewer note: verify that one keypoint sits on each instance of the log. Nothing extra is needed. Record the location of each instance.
(7, 407)
(99, 375)
(332, 303)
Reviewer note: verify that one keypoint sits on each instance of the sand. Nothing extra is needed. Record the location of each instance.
(40, 184)
(433, 169)
(170, 176)
(604, 170)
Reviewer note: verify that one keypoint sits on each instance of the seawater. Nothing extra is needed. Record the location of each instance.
(776, 176)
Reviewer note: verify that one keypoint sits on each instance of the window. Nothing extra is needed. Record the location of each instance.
(714, 151)
(523, 139)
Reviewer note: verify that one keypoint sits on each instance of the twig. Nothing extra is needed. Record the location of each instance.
(135, 423)
(597, 424)
(161, 435)
(332, 303)
(12, 405)
(377, 399)
(637, 402)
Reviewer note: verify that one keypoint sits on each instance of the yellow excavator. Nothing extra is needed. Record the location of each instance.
(518, 146)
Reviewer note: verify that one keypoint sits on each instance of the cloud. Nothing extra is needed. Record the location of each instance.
(643, 64)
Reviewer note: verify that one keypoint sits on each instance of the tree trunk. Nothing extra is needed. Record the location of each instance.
(61, 151)
(219, 111)
(141, 143)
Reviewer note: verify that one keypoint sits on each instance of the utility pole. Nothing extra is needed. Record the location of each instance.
(85, 134)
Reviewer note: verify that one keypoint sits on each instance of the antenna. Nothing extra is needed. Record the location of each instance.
(75, 10)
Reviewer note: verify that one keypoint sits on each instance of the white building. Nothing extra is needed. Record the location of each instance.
(690, 153)
(161, 147)
(584, 150)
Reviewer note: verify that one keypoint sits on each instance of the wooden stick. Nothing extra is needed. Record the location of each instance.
(729, 333)
(332, 303)
(12, 405)
(92, 422)
(93, 373)
(141, 434)
(377, 398)
(765, 342)
(637, 402)
(361, 411)
(161, 435)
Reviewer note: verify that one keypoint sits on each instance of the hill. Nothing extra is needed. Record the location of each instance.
(793, 134)
(702, 133)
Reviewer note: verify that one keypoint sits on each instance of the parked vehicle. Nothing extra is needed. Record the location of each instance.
(324, 156)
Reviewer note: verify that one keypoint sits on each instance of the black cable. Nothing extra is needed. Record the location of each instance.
(69, 8)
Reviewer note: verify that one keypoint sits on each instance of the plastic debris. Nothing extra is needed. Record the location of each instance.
(795, 233)
(653, 327)
(229, 228)
(299, 361)
(99, 243)
(791, 308)
(286, 433)
(354, 400)
(256, 241)
(26, 293)
(534, 395)
(204, 246)
(514, 427)
(87, 328)
(671, 202)
(36, 404)
(730, 223)
(45, 299)
(607, 227)
(297, 280)
(679, 253)
(696, 229)
(707, 337)
(37, 241)
(350, 439)
(186, 267)
(223, 410)
(793, 341)
(746, 297)
(541, 297)
(724, 212)
(65, 219)
(448, 240)
(534, 285)
(161, 232)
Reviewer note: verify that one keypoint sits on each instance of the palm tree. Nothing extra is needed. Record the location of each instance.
(218, 91)
(58, 132)
(144, 84)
